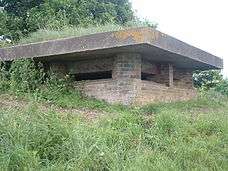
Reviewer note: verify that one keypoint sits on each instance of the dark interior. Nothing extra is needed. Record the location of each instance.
(93, 76)
(146, 76)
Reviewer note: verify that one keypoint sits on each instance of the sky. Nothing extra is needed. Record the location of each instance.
(201, 23)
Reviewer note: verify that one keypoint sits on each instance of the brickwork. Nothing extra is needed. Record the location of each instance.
(127, 66)
(166, 83)
(134, 91)
(112, 91)
(152, 92)
(183, 78)
(164, 75)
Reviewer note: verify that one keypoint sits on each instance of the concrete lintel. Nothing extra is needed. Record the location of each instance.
(170, 75)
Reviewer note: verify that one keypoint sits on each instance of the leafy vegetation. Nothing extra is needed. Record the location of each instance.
(212, 79)
(22, 17)
(46, 34)
(189, 135)
(176, 136)
(26, 75)
(207, 79)
(27, 79)
(222, 87)
(66, 32)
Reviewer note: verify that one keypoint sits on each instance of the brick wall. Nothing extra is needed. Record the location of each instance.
(183, 78)
(166, 83)
(127, 65)
(113, 91)
(152, 92)
(164, 75)
(133, 91)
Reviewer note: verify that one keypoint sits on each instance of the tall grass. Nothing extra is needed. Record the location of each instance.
(177, 136)
(45, 34)
(49, 34)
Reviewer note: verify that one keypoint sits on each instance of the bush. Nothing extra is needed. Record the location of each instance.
(3, 20)
(26, 75)
(207, 79)
(23, 17)
(141, 23)
(222, 87)
(4, 76)
(211, 80)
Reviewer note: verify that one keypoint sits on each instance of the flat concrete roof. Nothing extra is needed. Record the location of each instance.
(152, 44)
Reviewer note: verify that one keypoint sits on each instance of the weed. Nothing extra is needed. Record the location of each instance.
(31, 139)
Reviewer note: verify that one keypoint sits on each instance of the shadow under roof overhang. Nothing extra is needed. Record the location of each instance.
(152, 44)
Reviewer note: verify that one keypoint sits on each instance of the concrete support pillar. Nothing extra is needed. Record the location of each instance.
(127, 66)
(127, 76)
(170, 75)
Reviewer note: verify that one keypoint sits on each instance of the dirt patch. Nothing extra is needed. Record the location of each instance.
(10, 102)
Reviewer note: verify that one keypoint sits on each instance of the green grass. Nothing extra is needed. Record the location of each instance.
(66, 32)
(177, 136)
(70, 99)
(47, 34)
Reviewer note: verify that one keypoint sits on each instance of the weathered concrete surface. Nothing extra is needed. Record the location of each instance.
(150, 43)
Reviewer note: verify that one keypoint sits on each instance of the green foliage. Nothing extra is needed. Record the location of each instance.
(3, 21)
(212, 79)
(207, 79)
(174, 136)
(178, 136)
(46, 16)
(10, 25)
(4, 77)
(19, 7)
(22, 17)
(140, 23)
(17, 11)
(49, 34)
(222, 87)
(56, 14)
(26, 75)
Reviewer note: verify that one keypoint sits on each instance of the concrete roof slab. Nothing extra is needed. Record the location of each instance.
(153, 44)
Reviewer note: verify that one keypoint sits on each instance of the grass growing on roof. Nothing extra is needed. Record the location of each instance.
(46, 34)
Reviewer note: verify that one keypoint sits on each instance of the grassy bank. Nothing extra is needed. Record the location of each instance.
(178, 136)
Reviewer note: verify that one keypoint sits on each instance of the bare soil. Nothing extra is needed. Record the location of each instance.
(11, 102)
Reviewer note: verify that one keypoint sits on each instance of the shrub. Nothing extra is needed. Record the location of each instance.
(54, 87)
(222, 87)
(4, 77)
(22, 17)
(26, 75)
(207, 79)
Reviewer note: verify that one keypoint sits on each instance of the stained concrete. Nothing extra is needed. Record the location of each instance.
(151, 44)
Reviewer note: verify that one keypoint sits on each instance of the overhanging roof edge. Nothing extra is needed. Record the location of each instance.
(113, 40)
